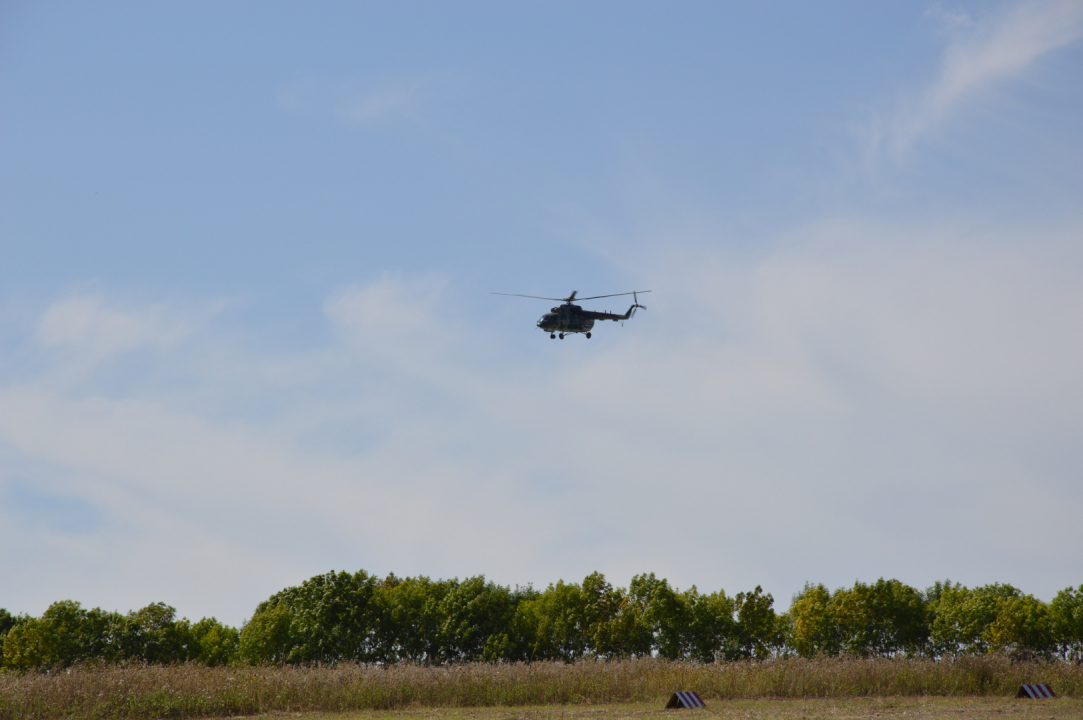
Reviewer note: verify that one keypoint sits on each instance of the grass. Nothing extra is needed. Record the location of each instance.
(910, 708)
(188, 691)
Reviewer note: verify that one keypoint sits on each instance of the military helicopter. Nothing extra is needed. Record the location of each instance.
(570, 318)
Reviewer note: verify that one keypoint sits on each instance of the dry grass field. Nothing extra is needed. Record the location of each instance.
(922, 708)
(969, 687)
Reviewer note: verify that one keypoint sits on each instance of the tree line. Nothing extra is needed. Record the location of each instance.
(357, 617)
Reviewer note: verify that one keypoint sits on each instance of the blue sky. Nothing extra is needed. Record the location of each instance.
(246, 334)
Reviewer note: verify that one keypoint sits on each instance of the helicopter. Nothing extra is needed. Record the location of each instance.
(570, 318)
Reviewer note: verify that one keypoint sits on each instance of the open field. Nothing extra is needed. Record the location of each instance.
(543, 688)
(920, 708)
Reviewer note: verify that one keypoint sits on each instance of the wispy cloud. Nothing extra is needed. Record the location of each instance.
(792, 403)
(87, 325)
(361, 104)
(979, 54)
(387, 308)
(364, 107)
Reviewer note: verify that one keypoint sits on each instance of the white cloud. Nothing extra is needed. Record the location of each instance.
(87, 326)
(949, 21)
(361, 104)
(387, 309)
(978, 55)
(896, 385)
(362, 108)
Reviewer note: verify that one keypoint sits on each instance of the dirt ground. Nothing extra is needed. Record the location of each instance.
(911, 708)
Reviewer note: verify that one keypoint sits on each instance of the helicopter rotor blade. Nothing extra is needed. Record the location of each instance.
(536, 297)
(573, 297)
(612, 296)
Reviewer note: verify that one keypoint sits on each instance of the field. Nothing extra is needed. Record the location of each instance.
(968, 687)
(922, 708)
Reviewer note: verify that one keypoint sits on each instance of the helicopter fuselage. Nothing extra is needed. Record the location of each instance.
(570, 318)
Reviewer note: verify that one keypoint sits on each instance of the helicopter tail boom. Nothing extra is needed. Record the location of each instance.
(613, 316)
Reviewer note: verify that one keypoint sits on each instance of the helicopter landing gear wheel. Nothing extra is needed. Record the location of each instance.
(562, 336)
(552, 336)
(588, 336)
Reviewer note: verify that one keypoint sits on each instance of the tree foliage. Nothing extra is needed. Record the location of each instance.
(67, 633)
(339, 616)
(1066, 612)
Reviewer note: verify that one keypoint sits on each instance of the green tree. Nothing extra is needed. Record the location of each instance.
(618, 628)
(154, 635)
(7, 621)
(559, 622)
(815, 631)
(991, 618)
(326, 619)
(65, 634)
(269, 637)
(712, 630)
(757, 633)
(71, 633)
(517, 642)
(785, 630)
(884, 618)
(213, 642)
(473, 611)
(409, 617)
(1067, 619)
(1023, 626)
(335, 618)
(660, 616)
(602, 606)
(955, 628)
(24, 644)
